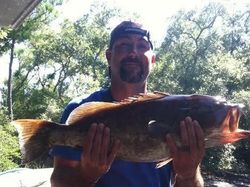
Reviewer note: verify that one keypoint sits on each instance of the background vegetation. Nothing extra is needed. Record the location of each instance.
(204, 51)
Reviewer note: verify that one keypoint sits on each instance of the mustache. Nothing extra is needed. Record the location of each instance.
(129, 59)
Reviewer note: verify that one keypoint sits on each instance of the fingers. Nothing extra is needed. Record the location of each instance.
(191, 137)
(113, 152)
(97, 145)
(88, 144)
(96, 159)
(184, 133)
(172, 145)
(200, 137)
(192, 142)
(187, 156)
(191, 134)
(105, 145)
(96, 153)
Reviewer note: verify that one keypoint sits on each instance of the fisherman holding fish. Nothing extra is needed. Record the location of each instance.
(130, 59)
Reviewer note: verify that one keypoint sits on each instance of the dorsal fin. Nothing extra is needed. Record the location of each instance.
(145, 97)
(88, 109)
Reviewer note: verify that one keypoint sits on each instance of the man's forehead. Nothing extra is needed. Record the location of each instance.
(127, 31)
(136, 37)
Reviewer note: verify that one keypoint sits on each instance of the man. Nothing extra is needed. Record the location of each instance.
(130, 59)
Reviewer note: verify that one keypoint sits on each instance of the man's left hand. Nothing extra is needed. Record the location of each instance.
(186, 159)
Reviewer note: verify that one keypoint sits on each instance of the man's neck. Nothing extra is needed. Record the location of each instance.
(123, 91)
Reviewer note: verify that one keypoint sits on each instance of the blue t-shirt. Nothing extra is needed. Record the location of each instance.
(122, 173)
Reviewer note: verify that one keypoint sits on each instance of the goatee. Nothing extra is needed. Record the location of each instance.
(131, 75)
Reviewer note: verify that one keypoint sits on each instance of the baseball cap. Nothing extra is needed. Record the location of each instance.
(128, 27)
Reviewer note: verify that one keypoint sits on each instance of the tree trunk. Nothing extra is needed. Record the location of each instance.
(9, 98)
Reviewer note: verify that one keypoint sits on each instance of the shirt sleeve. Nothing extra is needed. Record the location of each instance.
(69, 108)
(66, 152)
(70, 152)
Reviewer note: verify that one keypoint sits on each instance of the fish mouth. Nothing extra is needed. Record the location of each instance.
(229, 131)
(231, 121)
(234, 118)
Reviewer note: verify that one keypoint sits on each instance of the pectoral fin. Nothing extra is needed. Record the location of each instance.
(163, 163)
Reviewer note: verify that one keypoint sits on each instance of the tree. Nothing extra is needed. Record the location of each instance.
(56, 65)
(207, 52)
(12, 37)
(190, 40)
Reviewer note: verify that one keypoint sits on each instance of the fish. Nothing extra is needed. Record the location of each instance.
(140, 123)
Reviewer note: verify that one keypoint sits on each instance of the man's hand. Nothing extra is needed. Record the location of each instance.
(97, 158)
(186, 159)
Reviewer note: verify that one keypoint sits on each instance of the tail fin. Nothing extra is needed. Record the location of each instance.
(33, 138)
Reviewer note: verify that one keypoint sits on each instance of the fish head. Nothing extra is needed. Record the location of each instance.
(218, 118)
(214, 112)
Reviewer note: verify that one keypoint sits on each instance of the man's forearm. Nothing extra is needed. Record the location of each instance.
(67, 178)
(196, 181)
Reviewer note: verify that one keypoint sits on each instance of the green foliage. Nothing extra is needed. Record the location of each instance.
(65, 63)
(242, 151)
(9, 147)
(42, 15)
(4, 32)
(198, 56)
(222, 158)
(205, 51)
(192, 56)
(37, 103)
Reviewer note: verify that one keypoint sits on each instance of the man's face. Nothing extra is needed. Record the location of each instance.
(131, 58)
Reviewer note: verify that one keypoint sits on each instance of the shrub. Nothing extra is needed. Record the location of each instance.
(9, 147)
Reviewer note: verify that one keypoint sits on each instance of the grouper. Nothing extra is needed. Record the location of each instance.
(140, 123)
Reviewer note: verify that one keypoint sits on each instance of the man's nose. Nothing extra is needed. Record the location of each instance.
(133, 50)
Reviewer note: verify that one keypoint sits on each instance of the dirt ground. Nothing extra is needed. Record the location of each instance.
(226, 179)
(41, 177)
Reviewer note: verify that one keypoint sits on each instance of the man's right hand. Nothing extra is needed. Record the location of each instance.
(96, 158)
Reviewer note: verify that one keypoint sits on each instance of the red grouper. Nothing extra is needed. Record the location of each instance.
(140, 123)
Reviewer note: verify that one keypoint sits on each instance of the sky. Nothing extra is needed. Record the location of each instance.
(154, 15)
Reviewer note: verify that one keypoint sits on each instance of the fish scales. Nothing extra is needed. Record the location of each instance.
(140, 124)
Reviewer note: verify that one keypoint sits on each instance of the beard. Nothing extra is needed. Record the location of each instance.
(129, 75)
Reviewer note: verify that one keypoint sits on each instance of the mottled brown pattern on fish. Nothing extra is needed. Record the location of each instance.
(140, 123)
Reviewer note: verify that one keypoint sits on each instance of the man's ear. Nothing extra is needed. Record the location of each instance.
(153, 59)
(108, 55)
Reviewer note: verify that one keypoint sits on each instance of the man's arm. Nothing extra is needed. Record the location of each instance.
(94, 163)
(186, 159)
(67, 173)
(195, 181)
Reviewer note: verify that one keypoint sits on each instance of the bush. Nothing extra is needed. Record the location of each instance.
(223, 158)
(9, 147)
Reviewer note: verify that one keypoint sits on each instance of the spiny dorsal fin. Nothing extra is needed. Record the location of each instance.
(88, 109)
(144, 97)
(91, 108)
